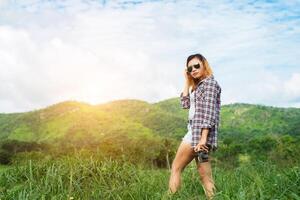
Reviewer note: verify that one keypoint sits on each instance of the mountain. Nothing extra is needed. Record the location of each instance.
(75, 121)
(247, 120)
(79, 121)
(259, 119)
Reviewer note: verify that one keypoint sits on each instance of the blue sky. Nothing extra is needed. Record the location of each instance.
(100, 51)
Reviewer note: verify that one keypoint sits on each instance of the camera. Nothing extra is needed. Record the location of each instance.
(202, 156)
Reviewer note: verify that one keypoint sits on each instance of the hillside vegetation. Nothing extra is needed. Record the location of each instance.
(124, 149)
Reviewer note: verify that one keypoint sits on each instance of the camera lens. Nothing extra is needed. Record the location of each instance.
(202, 156)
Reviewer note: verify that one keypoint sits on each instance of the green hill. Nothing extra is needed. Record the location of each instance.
(252, 120)
(79, 121)
(69, 120)
(247, 119)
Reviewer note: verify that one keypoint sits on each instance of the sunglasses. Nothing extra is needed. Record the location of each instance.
(190, 68)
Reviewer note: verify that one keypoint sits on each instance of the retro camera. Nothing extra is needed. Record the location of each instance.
(202, 156)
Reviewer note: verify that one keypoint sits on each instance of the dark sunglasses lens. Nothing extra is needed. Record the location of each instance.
(197, 66)
(190, 68)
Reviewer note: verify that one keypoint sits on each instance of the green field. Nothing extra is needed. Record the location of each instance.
(86, 176)
(123, 150)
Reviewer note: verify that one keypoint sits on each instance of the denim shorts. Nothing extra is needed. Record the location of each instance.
(188, 136)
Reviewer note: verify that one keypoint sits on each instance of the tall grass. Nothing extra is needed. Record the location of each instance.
(87, 177)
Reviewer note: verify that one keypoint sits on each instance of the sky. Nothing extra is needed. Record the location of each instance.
(99, 51)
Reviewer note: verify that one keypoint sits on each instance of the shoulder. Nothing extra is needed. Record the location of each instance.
(211, 83)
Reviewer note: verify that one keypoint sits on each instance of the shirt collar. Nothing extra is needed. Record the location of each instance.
(205, 79)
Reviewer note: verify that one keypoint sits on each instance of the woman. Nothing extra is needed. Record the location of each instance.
(203, 103)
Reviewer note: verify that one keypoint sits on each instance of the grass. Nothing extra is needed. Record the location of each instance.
(88, 177)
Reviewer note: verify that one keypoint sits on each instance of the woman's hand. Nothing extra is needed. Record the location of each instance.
(201, 146)
(187, 77)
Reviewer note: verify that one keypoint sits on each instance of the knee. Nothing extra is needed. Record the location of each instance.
(176, 168)
(204, 175)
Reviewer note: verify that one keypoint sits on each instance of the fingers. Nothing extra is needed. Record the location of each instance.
(205, 147)
(206, 150)
(201, 147)
(186, 72)
(197, 148)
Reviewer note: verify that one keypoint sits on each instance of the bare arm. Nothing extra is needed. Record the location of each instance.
(184, 95)
(204, 134)
(185, 89)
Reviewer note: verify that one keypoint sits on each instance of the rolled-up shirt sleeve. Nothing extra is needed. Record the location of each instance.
(211, 90)
(185, 101)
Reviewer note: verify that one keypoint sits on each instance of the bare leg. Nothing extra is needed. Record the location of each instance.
(184, 156)
(206, 178)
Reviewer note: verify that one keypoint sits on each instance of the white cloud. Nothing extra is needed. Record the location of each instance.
(292, 87)
(83, 50)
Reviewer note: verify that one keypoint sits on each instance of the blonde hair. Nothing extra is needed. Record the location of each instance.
(207, 70)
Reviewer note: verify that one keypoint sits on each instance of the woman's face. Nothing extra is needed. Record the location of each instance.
(196, 73)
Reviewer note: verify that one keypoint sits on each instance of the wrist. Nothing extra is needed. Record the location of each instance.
(187, 84)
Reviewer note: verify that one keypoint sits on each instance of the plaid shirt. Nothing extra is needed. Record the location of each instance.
(207, 110)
